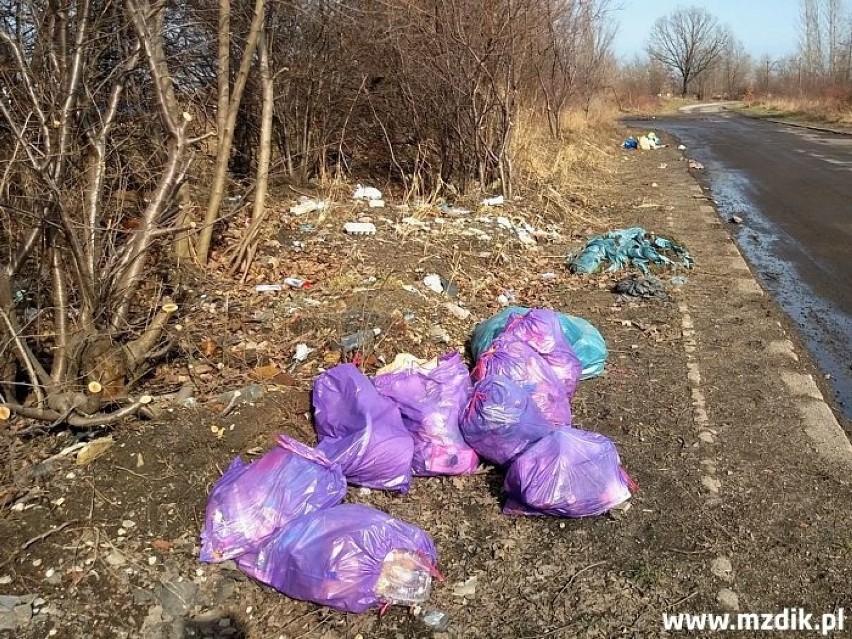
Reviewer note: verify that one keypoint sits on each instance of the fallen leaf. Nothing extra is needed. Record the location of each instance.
(263, 373)
(331, 357)
(283, 379)
(208, 347)
(161, 544)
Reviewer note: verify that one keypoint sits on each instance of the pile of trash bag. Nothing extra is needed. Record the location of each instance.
(519, 417)
(647, 142)
(623, 248)
(282, 517)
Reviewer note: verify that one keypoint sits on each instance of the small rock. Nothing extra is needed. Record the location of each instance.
(36, 563)
(49, 573)
(728, 599)
(711, 484)
(152, 560)
(433, 283)
(456, 311)
(128, 523)
(465, 588)
(176, 597)
(721, 567)
(439, 334)
(115, 559)
(735, 219)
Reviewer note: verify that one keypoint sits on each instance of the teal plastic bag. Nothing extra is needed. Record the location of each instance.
(585, 339)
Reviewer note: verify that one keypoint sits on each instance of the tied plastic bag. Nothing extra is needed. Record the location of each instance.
(361, 430)
(350, 557)
(250, 502)
(518, 361)
(430, 397)
(540, 329)
(569, 473)
(501, 421)
(588, 344)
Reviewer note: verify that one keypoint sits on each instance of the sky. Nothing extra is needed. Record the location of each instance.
(764, 26)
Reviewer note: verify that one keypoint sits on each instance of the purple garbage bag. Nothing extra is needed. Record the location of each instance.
(540, 329)
(350, 557)
(501, 420)
(361, 430)
(519, 362)
(569, 473)
(430, 401)
(250, 502)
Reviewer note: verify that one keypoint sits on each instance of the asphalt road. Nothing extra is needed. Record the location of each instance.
(793, 188)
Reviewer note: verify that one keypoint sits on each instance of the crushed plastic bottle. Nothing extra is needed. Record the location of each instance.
(359, 339)
(405, 578)
(244, 395)
(433, 618)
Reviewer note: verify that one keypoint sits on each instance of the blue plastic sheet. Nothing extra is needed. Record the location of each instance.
(624, 248)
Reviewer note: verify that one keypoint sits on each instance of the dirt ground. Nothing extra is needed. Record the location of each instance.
(109, 549)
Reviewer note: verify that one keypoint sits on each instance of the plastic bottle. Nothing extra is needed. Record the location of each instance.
(295, 282)
(359, 339)
(405, 579)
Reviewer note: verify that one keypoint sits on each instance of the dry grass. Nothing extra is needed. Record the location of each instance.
(579, 167)
(832, 110)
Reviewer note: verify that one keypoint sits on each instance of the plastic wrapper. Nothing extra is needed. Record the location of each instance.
(569, 473)
(540, 329)
(501, 421)
(588, 344)
(518, 361)
(349, 557)
(430, 397)
(251, 502)
(361, 430)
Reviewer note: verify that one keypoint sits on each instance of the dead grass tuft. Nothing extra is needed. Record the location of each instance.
(575, 173)
(832, 109)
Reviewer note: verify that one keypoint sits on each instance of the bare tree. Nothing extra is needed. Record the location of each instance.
(689, 41)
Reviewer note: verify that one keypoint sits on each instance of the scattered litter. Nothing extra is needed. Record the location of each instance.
(436, 619)
(697, 166)
(349, 557)
(288, 282)
(628, 247)
(94, 449)
(630, 143)
(497, 200)
(679, 280)
(359, 228)
(377, 204)
(252, 502)
(366, 193)
(244, 395)
(359, 339)
(650, 142)
(654, 185)
(645, 287)
(439, 284)
(681, 147)
(433, 283)
(664, 165)
(307, 205)
(302, 353)
(568, 473)
(735, 219)
(548, 277)
(454, 210)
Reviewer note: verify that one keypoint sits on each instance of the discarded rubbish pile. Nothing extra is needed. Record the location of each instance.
(282, 517)
(648, 142)
(625, 247)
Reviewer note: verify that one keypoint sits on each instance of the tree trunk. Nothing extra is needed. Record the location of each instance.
(265, 130)
(217, 191)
